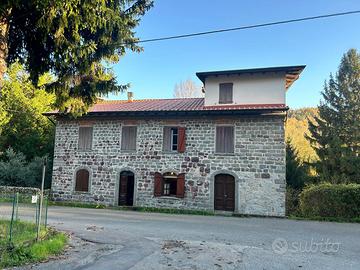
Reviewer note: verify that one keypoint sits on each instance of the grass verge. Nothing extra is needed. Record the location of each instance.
(23, 248)
(134, 208)
(328, 219)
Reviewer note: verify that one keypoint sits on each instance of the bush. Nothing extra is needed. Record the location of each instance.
(292, 201)
(331, 200)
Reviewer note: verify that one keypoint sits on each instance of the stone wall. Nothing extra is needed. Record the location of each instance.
(258, 163)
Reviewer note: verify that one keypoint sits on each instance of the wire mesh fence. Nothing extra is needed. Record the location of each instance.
(21, 218)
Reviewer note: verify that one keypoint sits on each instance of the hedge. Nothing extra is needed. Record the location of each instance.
(331, 200)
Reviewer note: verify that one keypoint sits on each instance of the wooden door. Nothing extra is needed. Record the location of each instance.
(126, 189)
(224, 193)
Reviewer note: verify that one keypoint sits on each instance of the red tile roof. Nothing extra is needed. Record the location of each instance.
(176, 104)
(172, 105)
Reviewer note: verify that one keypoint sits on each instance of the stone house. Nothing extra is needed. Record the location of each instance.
(224, 152)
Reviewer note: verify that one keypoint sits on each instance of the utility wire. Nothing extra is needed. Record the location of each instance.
(245, 27)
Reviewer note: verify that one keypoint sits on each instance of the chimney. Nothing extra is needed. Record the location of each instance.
(130, 96)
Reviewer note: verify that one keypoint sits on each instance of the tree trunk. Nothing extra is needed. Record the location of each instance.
(4, 32)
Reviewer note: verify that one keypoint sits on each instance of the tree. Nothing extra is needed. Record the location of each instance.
(187, 89)
(75, 40)
(335, 132)
(296, 172)
(15, 170)
(25, 129)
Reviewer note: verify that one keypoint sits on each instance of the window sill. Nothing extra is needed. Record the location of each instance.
(224, 154)
(169, 197)
(81, 193)
(85, 150)
(171, 152)
(128, 151)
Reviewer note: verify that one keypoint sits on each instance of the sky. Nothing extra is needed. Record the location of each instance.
(318, 44)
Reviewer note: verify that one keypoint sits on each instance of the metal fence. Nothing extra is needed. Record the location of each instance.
(20, 212)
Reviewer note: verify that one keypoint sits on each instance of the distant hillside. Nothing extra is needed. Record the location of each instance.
(296, 128)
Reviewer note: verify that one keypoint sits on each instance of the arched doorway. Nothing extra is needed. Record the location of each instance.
(224, 192)
(126, 188)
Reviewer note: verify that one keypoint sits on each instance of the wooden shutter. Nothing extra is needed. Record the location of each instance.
(158, 183)
(181, 139)
(82, 180)
(229, 139)
(85, 138)
(225, 93)
(167, 139)
(180, 187)
(128, 138)
(224, 139)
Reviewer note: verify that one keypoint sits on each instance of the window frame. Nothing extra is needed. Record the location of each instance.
(89, 181)
(234, 136)
(92, 138)
(171, 129)
(174, 177)
(121, 138)
(232, 93)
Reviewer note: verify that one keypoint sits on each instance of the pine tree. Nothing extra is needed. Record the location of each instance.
(77, 41)
(335, 133)
(296, 172)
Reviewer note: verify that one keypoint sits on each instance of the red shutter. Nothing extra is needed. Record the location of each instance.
(180, 188)
(181, 138)
(158, 184)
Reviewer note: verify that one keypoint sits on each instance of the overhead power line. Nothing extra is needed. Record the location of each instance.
(248, 27)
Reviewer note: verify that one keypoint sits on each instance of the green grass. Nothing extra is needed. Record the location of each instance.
(328, 219)
(23, 248)
(135, 208)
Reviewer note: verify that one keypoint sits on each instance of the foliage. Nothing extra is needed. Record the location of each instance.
(331, 200)
(26, 129)
(24, 249)
(16, 171)
(335, 133)
(187, 89)
(296, 173)
(296, 129)
(292, 201)
(75, 40)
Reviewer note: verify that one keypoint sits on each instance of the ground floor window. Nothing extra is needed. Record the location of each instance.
(169, 184)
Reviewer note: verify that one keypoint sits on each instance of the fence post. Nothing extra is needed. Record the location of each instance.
(17, 206)
(12, 219)
(46, 210)
(41, 198)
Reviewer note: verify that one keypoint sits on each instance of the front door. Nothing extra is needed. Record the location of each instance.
(126, 188)
(224, 194)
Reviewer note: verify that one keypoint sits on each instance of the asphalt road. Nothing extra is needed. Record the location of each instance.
(111, 239)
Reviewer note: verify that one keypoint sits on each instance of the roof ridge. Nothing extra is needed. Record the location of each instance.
(146, 99)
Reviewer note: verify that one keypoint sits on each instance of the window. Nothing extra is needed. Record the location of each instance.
(174, 139)
(225, 93)
(169, 184)
(85, 138)
(224, 139)
(128, 138)
(82, 180)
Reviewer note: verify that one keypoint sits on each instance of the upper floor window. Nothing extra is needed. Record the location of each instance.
(174, 139)
(225, 93)
(128, 138)
(85, 138)
(224, 139)
(82, 180)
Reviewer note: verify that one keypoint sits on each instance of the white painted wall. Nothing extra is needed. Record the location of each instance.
(268, 88)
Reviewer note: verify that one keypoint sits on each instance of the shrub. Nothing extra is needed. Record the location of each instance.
(331, 200)
(292, 201)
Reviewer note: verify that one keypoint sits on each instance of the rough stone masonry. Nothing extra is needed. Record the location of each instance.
(257, 164)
